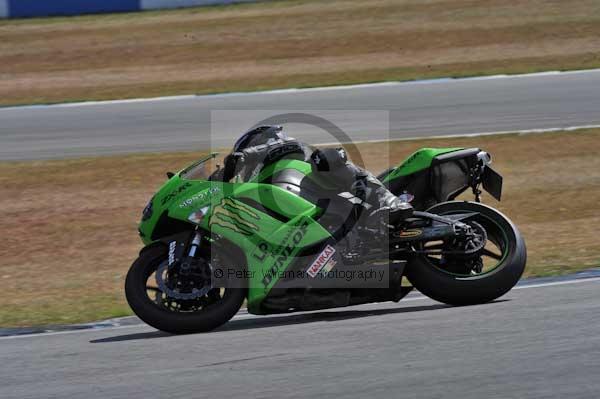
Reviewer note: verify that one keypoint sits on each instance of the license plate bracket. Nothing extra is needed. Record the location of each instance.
(492, 182)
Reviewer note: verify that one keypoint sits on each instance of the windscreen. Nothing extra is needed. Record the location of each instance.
(202, 169)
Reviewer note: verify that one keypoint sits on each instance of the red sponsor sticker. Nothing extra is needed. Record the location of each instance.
(321, 261)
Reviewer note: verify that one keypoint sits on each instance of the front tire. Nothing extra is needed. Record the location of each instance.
(205, 319)
(460, 289)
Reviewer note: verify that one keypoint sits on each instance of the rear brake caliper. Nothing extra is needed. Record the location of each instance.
(469, 241)
(463, 253)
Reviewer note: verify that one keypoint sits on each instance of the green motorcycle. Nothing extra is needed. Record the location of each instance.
(283, 241)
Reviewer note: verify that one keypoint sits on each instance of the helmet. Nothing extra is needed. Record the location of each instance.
(259, 135)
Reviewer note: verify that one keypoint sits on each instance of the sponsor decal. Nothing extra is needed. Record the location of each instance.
(175, 193)
(235, 216)
(263, 251)
(199, 196)
(328, 266)
(290, 242)
(321, 261)
(410, 233)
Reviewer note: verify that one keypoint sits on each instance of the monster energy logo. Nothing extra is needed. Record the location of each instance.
(234, 215)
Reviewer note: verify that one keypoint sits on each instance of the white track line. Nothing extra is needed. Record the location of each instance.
(250, 316)
(553, 283)
(305, 90)
(449, 136)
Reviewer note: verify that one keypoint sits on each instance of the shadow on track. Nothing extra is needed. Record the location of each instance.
(286, 320)
(276, 321)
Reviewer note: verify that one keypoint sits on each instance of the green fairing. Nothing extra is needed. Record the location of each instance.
(270, 245)
(243, 225)
(301, 166)
(419, 160)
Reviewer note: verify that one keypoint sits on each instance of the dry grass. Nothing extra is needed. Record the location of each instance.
(289, 43)
(69, 226)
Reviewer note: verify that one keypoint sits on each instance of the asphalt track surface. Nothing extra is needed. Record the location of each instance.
(390, 110)
(538, 341)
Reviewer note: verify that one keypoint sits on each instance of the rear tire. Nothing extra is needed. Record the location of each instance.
(459, 290)
(150, 312)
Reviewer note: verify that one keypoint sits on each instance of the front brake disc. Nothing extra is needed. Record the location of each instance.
(163, 270)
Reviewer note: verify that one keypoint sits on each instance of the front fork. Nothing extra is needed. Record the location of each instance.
(186, 264)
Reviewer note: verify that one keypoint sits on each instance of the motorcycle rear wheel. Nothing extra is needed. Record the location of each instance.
(428, 275)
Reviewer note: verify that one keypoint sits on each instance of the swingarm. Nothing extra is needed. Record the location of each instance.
(425, 226)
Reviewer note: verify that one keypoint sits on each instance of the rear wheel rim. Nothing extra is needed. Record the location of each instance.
(494, 253)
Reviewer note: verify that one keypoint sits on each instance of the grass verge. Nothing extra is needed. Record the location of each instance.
(69, 226)
(289, 44)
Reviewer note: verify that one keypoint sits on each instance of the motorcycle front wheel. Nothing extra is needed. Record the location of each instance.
(459, 281)
(177, 316)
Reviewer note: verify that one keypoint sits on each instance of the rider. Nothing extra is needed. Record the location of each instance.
(267, 143)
